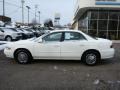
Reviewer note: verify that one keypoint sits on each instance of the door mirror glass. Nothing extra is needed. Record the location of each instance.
(40, 41)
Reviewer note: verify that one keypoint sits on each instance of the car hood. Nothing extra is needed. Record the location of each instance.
(22, 42)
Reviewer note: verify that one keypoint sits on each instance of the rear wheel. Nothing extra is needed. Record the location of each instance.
(91, 58)
(23, 57)
(8, 38)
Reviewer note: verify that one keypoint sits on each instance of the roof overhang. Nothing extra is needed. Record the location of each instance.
(84, 10)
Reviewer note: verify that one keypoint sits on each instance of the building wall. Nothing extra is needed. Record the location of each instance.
(96, 3)
(75, 26)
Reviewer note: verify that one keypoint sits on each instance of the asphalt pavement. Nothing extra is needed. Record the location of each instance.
(60, 75)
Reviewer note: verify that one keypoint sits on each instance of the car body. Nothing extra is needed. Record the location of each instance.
(61, 45)
(31, 33)
(27, 33)
(9, 34)
(24, 34)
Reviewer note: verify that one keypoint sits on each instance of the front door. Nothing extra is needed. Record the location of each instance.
(50, 47)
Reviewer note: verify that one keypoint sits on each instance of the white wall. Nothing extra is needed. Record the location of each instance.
(92, 3)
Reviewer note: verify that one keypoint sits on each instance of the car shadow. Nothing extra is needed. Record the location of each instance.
(71, 62)
(57, 61)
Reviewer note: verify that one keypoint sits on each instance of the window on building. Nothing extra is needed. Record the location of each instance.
(112, 35)
(94, 15)
(103, 15)
(93, 24)
(102, 34)
(119, 26)
(119, 35)
(93, 33)
(102, 25)
(113, 15)
(113, 25)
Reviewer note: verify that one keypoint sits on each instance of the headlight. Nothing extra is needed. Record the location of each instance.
(8, 48)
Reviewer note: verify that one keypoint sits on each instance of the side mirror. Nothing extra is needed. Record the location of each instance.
(40, 41)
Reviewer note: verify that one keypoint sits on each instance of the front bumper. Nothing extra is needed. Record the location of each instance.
(8, 53)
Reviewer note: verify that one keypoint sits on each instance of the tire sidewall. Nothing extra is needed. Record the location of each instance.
(91, 52)
(27, 53)
(8, 37)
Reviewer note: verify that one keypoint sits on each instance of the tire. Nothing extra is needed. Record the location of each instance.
(8, 38)
(23, 57)
(91, 58)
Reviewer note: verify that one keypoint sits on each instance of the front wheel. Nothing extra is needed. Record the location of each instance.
(8, 38)
(23, 57)
(91, 58)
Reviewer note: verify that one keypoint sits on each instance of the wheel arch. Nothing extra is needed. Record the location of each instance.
(91, 50)
(22, 49)
(8, 36)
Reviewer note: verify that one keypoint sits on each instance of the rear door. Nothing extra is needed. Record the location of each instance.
(73, 45)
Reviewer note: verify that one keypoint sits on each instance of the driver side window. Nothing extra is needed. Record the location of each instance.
(53, 37)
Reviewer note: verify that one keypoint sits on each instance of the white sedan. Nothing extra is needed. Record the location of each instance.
(61, 45)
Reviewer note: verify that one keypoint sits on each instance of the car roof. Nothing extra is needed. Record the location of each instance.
(66, 30)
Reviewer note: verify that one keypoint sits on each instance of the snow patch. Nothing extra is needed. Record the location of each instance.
(96, 82)
(55, 67)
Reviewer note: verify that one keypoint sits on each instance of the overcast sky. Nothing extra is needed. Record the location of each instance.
(48, 8)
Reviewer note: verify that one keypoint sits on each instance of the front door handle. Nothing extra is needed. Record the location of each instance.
(81, 45)
(57, 46)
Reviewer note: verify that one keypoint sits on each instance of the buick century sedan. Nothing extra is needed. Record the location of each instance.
(61, 45)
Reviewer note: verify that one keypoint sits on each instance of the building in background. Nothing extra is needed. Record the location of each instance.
(5, 19)
(99, 18)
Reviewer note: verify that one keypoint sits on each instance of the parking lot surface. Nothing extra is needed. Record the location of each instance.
(60, 75)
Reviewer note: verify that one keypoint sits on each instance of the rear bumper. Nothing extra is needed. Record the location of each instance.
(106, 54)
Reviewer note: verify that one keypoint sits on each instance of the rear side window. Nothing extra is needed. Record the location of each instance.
(74, 36)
